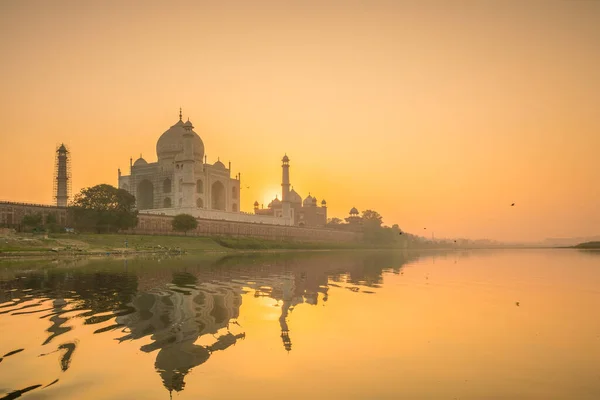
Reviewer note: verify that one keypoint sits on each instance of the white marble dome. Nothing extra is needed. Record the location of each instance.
(140, 162)
(171, 142)
(219, 165)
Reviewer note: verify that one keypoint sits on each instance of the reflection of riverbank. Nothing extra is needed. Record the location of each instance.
(168, 304)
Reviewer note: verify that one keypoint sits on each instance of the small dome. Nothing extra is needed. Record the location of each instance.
(308, 200)
(285, 158)
(62, 149)
(256, 204)
(314, 200)
(353, 211)
(275, 202)
(188, 123)
(219, 164)
(323, 202)
(294, 197)
(139, 162)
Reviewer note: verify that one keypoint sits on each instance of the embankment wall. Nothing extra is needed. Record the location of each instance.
(161, 225)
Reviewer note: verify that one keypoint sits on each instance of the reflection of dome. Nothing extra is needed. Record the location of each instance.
(219, 164)
(353, 211)
(139, 162)
(294, 197)
(171, 142)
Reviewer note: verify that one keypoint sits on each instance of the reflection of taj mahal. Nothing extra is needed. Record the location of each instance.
(182, 181)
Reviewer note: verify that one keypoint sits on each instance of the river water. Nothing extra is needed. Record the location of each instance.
(506, 324)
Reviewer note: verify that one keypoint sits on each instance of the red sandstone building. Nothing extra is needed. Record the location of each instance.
(304, 213)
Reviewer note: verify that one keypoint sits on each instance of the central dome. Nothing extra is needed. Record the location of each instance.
(170, 143)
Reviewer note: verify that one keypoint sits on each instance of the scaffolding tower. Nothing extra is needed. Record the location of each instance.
(62, 176)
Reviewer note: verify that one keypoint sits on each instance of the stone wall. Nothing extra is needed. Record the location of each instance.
(11, 214)
(223, 215)
(161, 225)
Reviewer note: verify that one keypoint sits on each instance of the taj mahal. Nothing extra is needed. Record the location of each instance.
(182, 181)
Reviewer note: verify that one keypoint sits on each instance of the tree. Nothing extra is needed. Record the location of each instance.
(51, 223)
(104, 208)
(51, 219)
(334, 221)
(32, 221)
(371, 217)
(184, 223)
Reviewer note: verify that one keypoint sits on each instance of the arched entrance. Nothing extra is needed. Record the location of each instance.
(167, 186)
(145, 195)
(167, 202)
(217, 196)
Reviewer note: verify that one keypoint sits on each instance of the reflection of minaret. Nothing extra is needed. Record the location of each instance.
(57, 327)
(288, 293)
(62, 176)
(285, 332)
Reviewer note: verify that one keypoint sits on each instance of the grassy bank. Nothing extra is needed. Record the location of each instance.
(28, 244)
(82, 244)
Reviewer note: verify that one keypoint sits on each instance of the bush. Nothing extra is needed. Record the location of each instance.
(184, 223)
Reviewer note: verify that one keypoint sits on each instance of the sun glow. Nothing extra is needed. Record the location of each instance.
(269, 194)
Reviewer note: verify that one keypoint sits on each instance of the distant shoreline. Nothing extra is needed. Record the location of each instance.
(126, 245)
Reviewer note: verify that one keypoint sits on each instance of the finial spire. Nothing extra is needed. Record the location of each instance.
(180, 114)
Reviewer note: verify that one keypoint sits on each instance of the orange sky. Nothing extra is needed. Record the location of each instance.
(437, 114)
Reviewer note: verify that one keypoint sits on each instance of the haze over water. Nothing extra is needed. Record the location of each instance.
(513, 324)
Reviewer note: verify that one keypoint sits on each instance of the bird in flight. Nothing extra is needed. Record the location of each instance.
(512, 205)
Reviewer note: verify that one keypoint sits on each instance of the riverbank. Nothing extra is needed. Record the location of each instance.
(588, 246)
(29, 245)
(13, 245)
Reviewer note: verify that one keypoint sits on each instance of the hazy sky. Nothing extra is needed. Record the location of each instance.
(437, 114)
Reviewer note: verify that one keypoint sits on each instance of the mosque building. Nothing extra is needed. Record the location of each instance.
(303, 212)
(182, 181)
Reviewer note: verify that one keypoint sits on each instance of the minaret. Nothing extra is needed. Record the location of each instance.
(62, 176)
(285, 178)
(188, 162)
(286, 207)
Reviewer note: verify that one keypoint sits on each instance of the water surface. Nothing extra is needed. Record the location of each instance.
(519, 324)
